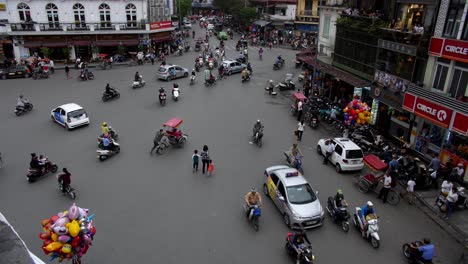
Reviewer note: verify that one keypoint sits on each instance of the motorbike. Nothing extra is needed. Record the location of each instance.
(138, 84)
(210, 82)
(85, 77)
(44, 74)
(241, 60)
(307, 257)
(179, 52)
(371, 233)
(108, 96)
(287, 84)
(278, 65)
(21, 110)
(339, 216)
(314, 122)
(254, 215)
(257, 138)
(161, 148)
(410, 251)
(104, 154)
(246, 78)
(68, 191)
(270, 87)
(296, 163)
(35, 173)
(162, 98)
(461, 202)
(175, 94)
(192, 79)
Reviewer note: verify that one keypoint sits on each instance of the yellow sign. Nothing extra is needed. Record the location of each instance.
(2, 7)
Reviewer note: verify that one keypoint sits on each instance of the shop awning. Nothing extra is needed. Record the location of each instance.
(82, 42)
(161, 39)
(277, 23)
(54, 44)
(261, 23)
(123, 42)
(33, 44)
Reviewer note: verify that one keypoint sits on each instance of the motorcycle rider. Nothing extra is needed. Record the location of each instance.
(278, 60)
(252, 198)
(299, 242)
(193, 33)
(107, 143)
(241, 57)
(21, 102)
(426, 252)
(245, 74)
(221, 71)
(137, 77)
(64, 179)
(367, 212)
(109, 90)
(157, 139)
(257, 127)
(339, 200)
(193, 73)
(294, 152)
(34, 163)
(249, 68)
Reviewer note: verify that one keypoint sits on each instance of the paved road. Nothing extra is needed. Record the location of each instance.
(153, 208)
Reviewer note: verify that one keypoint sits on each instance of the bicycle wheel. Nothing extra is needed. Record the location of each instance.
(393, 197)
(363, 186)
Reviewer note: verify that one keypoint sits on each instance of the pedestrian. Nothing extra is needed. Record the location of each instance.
(300, 130)
(435, 162)
(387, 184)
(157, 139)
(329, 148)
(270, 45)
(452, 198)
(210, 168)
(67, 71)
(299, 110)
(152, 58)
(195, 160)
(410, 190)
(205, 158)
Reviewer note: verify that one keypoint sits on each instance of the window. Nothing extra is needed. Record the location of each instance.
(441, 75)
(24, 12)
(130, 10)
(52, 15)
(301, 194)
(454, 17)
(308, 5)
(104, 14)
(326, 26)
(354, 154)
(459, 81)
(79, 13)
(338, 150)
(274, 178)
(465, 30)
(282, 190)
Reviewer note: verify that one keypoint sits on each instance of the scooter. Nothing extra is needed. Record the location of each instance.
(68, 191)
(257, 138)
(192, 79)
(108, 96)
(296, 163)
(162, 98)
(287, 85)
(104, 154)
(254, 215)
(278, 65)
(175, 94)
(85, 77)
(21, 110)
(34, 174)
(307, 257)
(270, 88)
(372, 228)
(138, 84)
(411, 250)
(340, 218)
(314, 122)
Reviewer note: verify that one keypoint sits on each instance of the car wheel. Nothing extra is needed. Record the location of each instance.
(169, 78)
(338, 168)
(319, 150)
(286, 220)
(265, 190)
(186, 74)
(229, 73)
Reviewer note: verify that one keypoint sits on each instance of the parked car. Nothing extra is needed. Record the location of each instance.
(70, 116)
(347, 155)
(15, 72)
(210, 27)
(222, 35)
(232, 66)
(164, 72)
(293, 196)
(187, 25)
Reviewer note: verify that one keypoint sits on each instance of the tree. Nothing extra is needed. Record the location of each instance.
(185, 7)
(45, 52)
(247, 14)
(66, 53)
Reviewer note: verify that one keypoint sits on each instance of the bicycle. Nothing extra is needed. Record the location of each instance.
(369, 182)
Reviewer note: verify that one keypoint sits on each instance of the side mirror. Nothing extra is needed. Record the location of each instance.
(281, 198)
(316, 192)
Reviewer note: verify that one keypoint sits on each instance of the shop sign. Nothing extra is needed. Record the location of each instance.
(160, 25)
(436, 113)
(391, 81)
(398, 47)
(460, 124)
(387, 96)
(449, 48)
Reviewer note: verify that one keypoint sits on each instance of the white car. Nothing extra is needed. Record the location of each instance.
(187, 25)
(210, 27)
(70, 115)
(293, 196)
(347, 155)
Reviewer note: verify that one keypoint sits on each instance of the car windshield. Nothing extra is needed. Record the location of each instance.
(76, 113)
(354, 154)
(301, 194)
(162, 69)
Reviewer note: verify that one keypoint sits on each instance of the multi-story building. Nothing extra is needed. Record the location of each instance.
(307, 16)
(70, 28)
(330, 11)
(160, 10)
(277, 14)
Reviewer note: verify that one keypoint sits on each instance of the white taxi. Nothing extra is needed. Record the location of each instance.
(70, 115)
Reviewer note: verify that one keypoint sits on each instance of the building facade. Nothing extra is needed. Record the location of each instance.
(307, 16)
(330, 11)
(82, 29)
(160, 10)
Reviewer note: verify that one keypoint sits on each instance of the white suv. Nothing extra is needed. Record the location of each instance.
(347, 155)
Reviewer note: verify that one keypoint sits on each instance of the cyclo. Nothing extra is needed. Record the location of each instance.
(298, 97)
(175, 135)
(374, 170)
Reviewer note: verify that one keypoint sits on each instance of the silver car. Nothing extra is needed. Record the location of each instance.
(169, 72)
(232, 66)
(293, 196)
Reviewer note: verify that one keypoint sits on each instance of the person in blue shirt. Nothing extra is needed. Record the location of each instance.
(173, 72)
(106, 142)
(367, 210)
(278, 60)
(426, 252)
(393, 166)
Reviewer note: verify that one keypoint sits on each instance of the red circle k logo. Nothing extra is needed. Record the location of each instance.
(441, 115)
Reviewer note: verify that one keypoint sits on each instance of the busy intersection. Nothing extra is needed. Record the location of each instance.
(154, 208)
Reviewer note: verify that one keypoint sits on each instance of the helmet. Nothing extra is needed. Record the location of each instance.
(427, 240)
(253, 189)
(21, 96)
(193, 69)
(369, 203)
(104, 124)
(339, 192)
(258, 121)
(106, 135)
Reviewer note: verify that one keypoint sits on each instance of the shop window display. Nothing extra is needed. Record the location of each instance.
(429, 139)
(457, 144)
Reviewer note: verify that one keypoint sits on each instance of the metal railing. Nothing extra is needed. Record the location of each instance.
(308, 13)
(77, 26)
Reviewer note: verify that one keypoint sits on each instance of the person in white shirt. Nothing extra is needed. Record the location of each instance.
(410, 190)
(300, 130)
(452, 198)
(458, 172)
(446, 187)
(329, 149)
(299, 110)
(387, 185)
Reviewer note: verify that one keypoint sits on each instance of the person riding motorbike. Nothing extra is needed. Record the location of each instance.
(21, 102)
(426, 252)
(245, 74)
(252, 198)
(34, 163)
(339, 201)
(367, 213)
(193, 33)
(220, 71)
(278, 61)
(107, 143)
(241, 57)
(110, 90)
(294, 151)
(64, 179)
(104, 128)
(249, 68)
(137, 77)
(299, 242)
(257, 127)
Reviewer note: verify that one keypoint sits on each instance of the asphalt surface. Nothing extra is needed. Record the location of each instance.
(152, 208)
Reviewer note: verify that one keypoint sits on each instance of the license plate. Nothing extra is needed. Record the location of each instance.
(311, 222)
(11, 73)
(20, 72)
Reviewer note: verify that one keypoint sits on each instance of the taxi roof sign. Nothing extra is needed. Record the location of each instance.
(292, 174)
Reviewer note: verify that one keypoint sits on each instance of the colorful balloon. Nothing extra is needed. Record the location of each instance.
(73, 212)
(66, 248)
(53, 246)
(73, 228)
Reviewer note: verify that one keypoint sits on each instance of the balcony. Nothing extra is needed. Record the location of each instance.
(29, 26)
(309, 13)
(334, 3)
(406, 37)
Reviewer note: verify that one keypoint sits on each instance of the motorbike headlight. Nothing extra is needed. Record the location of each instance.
(313, 257)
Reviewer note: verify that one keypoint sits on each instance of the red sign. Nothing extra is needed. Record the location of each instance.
(449, 48)
(408, 102)
(460, 124)
(160, 25)
(431, 111)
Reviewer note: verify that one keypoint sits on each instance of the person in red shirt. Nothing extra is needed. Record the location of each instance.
(65, 179)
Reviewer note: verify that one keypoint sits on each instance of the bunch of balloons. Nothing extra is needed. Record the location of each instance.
(357, 112)
(68, 235)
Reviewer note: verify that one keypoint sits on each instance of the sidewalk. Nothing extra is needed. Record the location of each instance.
(61, 66)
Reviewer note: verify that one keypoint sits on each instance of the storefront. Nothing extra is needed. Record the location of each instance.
(415, 15)
(441, 125)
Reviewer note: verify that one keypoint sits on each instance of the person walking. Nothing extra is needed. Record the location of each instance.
(205, 158)
(300, 108)
(452, 198)
(195, 160)
(329, 148)
(387, 184)
(157, 139)
(300, 130)
(410, 190)
(152, 56)
(67, 72)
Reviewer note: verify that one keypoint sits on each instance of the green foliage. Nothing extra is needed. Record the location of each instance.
(185, 7)
(368, 25)
(121, 50)
(45, 52)
(66, 53)
(247, 14)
